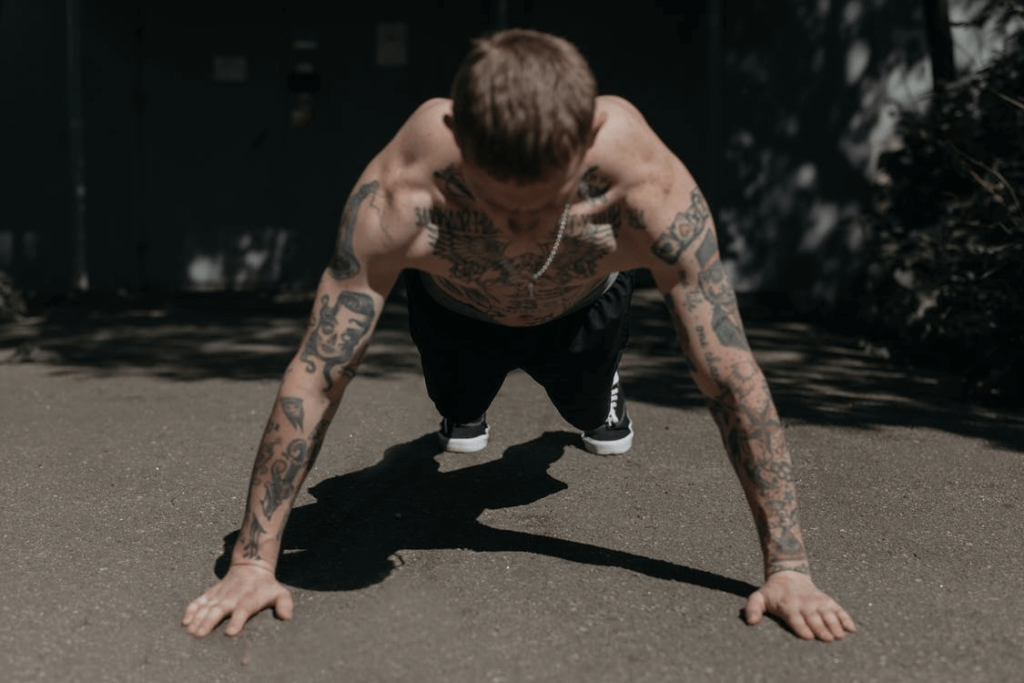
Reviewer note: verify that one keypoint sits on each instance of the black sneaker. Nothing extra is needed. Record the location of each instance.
(615, 436)
(468, 437)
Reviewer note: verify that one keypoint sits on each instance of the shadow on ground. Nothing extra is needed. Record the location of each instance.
(816, 377)
(352, 536)
(242, 336)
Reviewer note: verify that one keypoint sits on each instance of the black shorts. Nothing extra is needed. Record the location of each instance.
(465, 361)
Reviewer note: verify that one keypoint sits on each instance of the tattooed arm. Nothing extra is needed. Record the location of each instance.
(347, 306)
(689, 272)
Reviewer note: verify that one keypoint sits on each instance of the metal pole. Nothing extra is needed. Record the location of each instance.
(80, 272)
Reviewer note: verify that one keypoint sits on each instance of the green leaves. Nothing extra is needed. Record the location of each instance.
(947, 278)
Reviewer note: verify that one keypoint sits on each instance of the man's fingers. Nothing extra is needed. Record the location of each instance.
(800, 627)
(245, 591)
(834, 625)
(206, 619)
(819, 627)
(847, 621)
(193, 609)
(238, 620)
(755, 608)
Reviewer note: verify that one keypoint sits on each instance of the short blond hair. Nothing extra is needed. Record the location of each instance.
(523, 104)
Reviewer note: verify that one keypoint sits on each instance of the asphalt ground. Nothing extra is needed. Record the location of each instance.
(128, 427)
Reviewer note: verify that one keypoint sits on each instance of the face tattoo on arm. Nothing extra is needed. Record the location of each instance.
(334, 340)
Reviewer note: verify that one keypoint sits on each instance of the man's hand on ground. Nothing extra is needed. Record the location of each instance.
(795, 599)
(244, 591)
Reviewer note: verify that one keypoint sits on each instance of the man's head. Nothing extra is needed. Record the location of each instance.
(523, 105)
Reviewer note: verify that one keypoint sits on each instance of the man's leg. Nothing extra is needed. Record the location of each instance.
(463, 367)
(579, 369)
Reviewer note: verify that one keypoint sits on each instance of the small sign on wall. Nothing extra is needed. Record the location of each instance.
(230, 69)
(392, 44)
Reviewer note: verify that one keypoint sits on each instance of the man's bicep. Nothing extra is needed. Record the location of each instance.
(359, 231)
(688, 269)
(363, 268)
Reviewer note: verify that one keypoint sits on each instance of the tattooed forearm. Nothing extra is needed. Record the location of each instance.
(682, 333)
(686, 229)
(292, 409)
(283, 472)
(252, 536)
(727, 330)
(267, 443)
(753, 438)
(338, 329)
(279, 477)
(725, 320)
(344, 263)
(316, 440)
(712, 361)
(738, 397)
(276, 476)
(349, 370)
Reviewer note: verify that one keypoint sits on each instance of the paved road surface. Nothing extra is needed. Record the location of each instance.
(128, 429)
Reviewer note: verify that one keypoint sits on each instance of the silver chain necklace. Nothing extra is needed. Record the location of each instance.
(554, 250)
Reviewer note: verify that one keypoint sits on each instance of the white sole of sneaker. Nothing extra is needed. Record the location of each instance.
(477, 443)
(617, 447)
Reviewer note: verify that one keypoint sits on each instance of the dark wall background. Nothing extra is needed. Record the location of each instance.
(812, 95)
(779, 108)
(34, 179)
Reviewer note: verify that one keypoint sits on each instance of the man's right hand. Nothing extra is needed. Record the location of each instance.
(245, 590)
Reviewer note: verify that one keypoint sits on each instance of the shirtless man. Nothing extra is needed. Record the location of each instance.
(517, 209)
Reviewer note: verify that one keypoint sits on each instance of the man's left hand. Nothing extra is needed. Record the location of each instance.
(793, 597)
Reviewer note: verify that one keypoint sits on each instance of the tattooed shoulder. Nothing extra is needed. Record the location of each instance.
(452, 183)
(594, 186)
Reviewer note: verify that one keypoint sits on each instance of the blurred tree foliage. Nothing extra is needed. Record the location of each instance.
(946, 283)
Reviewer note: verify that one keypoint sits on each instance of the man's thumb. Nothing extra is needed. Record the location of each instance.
(755, 608)
(284, 605)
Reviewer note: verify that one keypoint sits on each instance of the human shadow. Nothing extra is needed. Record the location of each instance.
(353, 536)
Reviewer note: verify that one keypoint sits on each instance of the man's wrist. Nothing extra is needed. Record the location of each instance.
(779, 567)
(255, 563)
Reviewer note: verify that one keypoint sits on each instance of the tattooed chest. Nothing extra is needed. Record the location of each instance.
(517, 303)
(511, 281)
